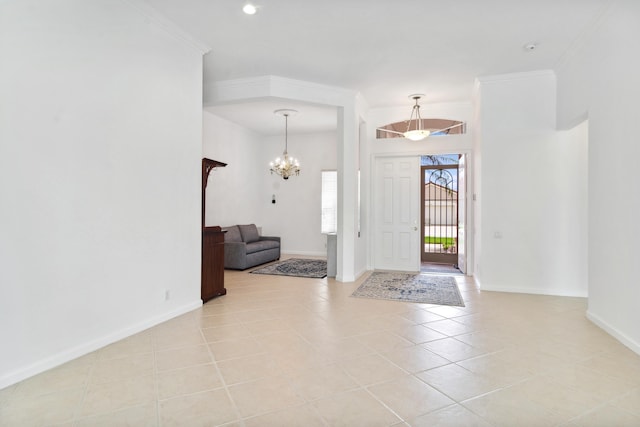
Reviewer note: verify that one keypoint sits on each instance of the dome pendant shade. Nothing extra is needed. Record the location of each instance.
(417, 134)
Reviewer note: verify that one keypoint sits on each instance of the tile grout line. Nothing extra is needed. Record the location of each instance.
(236, 410)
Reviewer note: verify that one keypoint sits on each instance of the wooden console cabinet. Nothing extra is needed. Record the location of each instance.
(212, 271)
(212, 263)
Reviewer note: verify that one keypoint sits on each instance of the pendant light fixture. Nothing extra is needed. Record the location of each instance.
(417, 133)
(286, 165)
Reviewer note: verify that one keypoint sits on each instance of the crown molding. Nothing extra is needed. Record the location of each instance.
(592, 27)
(150, 13)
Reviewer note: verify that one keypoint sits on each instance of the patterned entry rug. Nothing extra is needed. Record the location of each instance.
(410, 287)
(314, 268)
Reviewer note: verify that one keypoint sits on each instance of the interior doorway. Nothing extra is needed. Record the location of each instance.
(442, 225)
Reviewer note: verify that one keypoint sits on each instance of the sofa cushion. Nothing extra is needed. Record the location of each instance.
(262, 245)
(249, 233)
(232, 234)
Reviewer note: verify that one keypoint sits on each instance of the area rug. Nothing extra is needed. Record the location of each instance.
(409, 287)
(313, 268)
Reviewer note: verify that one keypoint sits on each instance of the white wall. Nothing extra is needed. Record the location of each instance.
(100, 146)
(295, 216)
(241, 192)
(600, 80)
(476, 172)
(531, 190)
(232, 190)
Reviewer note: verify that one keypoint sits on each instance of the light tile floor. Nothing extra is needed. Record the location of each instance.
(278, 351)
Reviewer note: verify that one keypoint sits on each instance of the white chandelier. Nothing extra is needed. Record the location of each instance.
(286, 165)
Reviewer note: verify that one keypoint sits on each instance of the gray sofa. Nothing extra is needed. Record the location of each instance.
(245, 248)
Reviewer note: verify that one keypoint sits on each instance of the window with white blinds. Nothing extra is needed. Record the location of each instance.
(329, 202)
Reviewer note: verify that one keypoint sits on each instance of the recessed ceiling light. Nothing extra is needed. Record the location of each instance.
(249, 9)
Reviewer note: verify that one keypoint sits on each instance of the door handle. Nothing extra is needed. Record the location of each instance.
(415, 228)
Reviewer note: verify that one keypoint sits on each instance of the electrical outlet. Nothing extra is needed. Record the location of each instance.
(167, 295)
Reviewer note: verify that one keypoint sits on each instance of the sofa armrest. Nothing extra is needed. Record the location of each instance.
(235, 255)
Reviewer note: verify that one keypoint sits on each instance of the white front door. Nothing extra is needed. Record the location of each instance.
(396, 210)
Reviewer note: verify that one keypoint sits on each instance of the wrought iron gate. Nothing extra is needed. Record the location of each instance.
(440, 211)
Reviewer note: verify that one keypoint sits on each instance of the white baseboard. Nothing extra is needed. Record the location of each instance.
(360, 273)
(477, 282)
(93, 345)
(305, 253)
(349, 279)
(534, 291)
(623, 338)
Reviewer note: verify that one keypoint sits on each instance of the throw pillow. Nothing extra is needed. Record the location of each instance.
(249, 233)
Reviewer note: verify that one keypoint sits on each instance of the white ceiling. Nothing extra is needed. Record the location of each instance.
(259, 116)
(384, 49)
